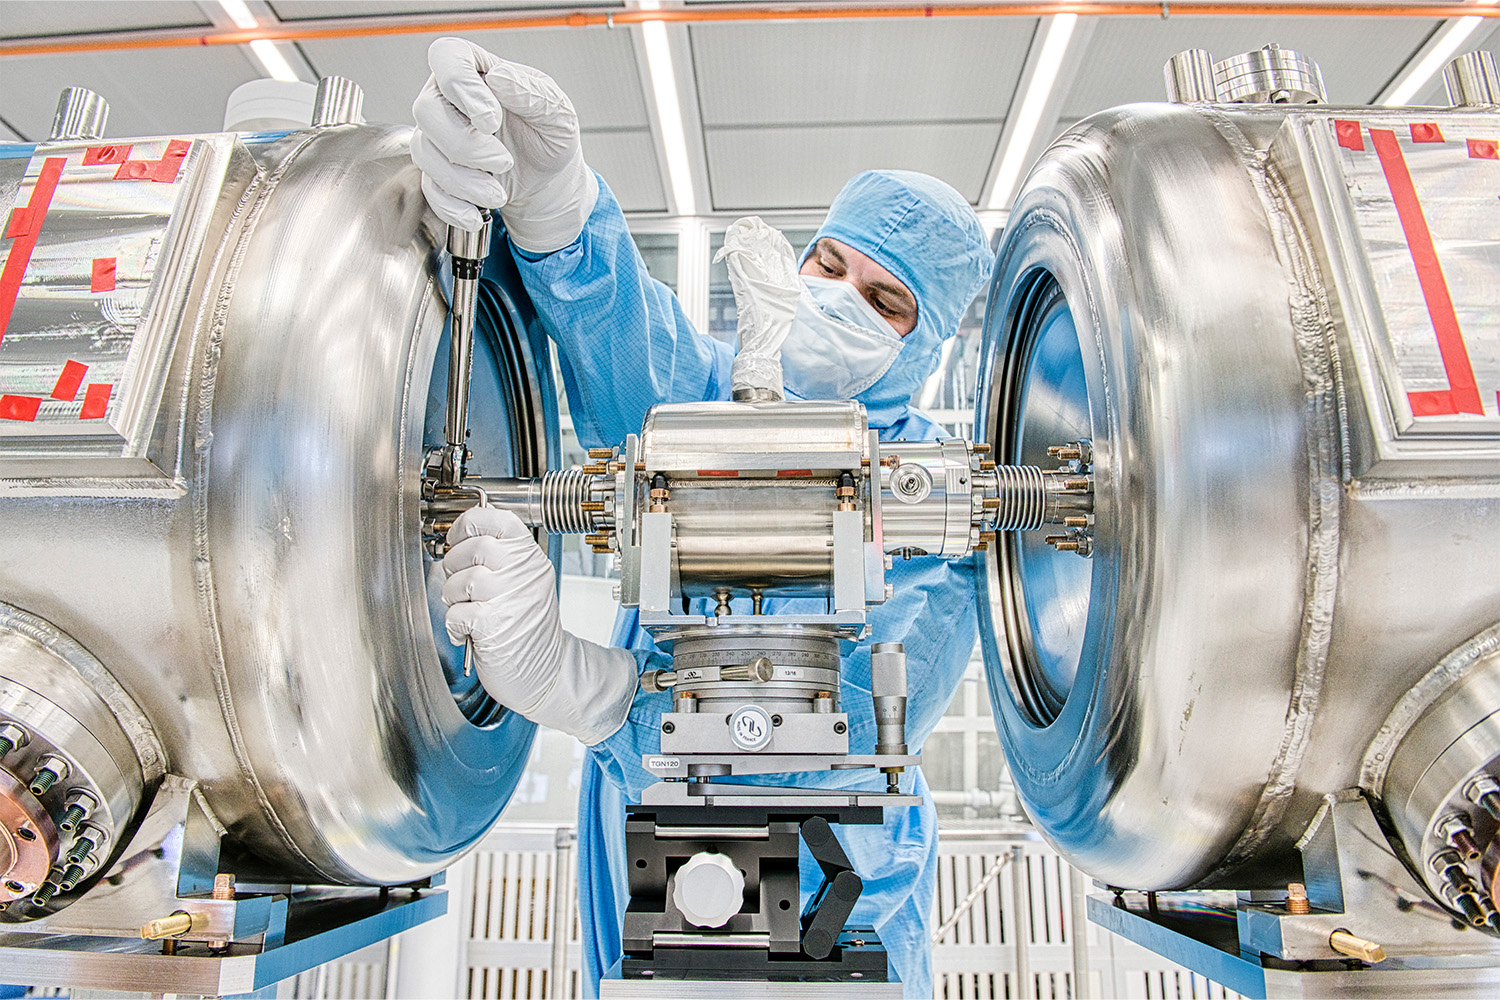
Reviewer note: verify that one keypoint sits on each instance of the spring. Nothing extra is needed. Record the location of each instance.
(1023, 498)
(563, 494)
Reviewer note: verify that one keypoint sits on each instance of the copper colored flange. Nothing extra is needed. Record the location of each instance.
(28, 839)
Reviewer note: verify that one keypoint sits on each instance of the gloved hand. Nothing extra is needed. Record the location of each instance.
(500, 593)
(495, 134)
(763, 274)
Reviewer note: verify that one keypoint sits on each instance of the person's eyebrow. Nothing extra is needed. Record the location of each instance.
(826, 245)
(900, 292)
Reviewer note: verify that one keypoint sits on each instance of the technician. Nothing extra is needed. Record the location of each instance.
(884, 282)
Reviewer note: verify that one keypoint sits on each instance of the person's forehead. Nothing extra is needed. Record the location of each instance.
(869, 268)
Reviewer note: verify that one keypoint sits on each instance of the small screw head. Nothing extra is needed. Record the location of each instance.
(839, 728)
(668, 727)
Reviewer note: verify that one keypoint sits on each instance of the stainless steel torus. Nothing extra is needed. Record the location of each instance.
(235, 535)
(1296, 449)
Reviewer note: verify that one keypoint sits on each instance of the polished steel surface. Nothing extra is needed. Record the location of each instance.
(1190, 77)
(1203, 292)
(338, 101)
(260, 590)
(1472, 79)
(1270, 75)
(81, 114)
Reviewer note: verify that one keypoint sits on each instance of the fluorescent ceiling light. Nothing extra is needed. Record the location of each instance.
(1449, 39)
(239, 13)
(270, 58)
(1028, 119)
(668, 110)
(272, 61)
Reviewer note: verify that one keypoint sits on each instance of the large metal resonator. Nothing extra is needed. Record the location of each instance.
(1277, 324)
(221, 368)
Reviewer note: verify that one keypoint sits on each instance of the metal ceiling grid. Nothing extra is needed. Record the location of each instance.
(1125, 56)
(596, 67)
(790, 111)
(788, 168)
(303, 10)
(150, 92)
(29, 19)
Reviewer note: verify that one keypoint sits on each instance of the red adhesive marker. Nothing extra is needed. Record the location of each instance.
(69, 381)
(162, 171)
(96, 155)
(95, 401)
(1462, 395)
(1484, 149)
(102, 275)
(1426, 132)
(19, 407)
(1349, 134)
(20, 251)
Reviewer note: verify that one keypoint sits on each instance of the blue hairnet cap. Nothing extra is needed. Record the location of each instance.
(923, 232)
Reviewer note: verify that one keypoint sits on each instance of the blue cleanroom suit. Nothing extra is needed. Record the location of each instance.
(625, 346)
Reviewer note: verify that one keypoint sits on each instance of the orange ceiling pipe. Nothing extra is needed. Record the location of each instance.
(370, 27)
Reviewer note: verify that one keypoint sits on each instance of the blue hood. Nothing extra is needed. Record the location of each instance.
(926, 234)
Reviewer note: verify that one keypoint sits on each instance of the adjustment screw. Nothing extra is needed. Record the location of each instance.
(668, 727)
(1296, 899)
(12, 737)
(49, 770)
(839, 728)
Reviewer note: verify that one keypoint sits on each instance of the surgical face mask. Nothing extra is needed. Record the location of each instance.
(839, 345)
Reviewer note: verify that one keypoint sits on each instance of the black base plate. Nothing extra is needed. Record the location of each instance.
(859, 957)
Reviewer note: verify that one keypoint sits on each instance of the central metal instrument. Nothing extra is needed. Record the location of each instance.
(753, 538)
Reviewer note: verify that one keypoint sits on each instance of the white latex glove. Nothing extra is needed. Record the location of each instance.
(763, 274)
(501, 594)
(495, 134)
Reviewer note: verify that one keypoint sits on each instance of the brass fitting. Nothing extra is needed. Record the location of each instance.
(1296, 899)
(176, 925)
(1345, 943)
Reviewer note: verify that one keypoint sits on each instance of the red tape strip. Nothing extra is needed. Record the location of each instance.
(163, 171)
(95, 401)
(106, 154)
(1484, 149)
(19, 407)
(1349, 134)
(20, 223)
(102, 275)
(1465, 393)
(20, 251)
(69, 381)
(1426, 132)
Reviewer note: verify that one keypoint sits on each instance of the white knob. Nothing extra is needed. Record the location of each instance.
(708, 889)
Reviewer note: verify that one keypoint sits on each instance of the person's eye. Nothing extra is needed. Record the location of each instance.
(827, 268)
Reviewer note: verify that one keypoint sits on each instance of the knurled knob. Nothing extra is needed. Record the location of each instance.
(708, 890)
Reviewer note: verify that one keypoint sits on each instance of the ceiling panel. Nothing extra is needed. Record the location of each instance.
(627, 160)
(795, 167)
(1487, 38)
(300, 10)
(150, 92)
(846, 71)
(1125, 55)
(24, 19)
(595, 66)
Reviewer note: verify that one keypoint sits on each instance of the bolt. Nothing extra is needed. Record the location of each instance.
(73, 874)
(668, 728)
(840, 728)
(46, 890)
(79, 804)
(1076, 522)
(1455, 830)
(89, 837)
(601, 453)
(1296, 899)
(1483, 792)
(12, 737)
(49, 771)
(1077, 484)
(1469, 904)
(596, 469)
